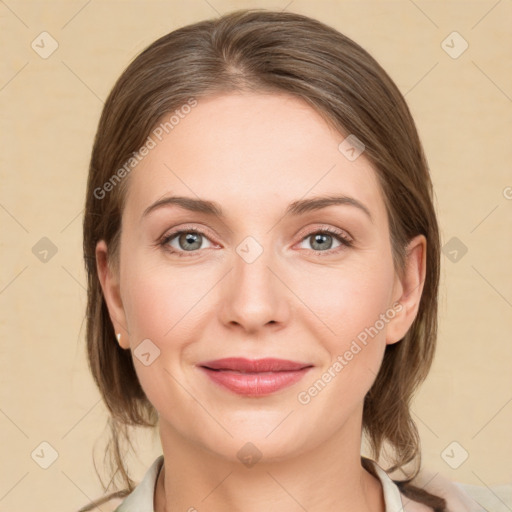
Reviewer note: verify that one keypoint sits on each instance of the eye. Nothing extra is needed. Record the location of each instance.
(190, 240)
(185, 240)
(322, 240)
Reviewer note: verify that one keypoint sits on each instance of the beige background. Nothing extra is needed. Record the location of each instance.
(50, 109)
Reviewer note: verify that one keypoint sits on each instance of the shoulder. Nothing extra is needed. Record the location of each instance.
(111, 505)
(142, 496)
(456, 499)
(414, 506)
(103, 503)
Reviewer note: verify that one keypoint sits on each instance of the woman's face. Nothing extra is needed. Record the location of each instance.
(258, 281)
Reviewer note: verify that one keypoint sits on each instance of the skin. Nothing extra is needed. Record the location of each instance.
(254, 154)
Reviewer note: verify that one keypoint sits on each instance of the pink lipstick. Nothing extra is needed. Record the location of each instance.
(256, 377)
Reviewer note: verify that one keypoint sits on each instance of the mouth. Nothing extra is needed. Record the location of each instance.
(255, 377)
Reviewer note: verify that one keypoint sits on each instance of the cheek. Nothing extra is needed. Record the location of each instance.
(349, 300)
(351, 309)
(355, 309)
(163, 305)
(159, 296)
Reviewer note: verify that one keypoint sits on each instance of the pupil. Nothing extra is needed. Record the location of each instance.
(191, 238)
(320, 240)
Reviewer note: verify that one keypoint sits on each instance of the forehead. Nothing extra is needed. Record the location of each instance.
(251, 150)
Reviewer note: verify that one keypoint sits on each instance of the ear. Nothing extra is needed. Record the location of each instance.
(407, 290)
(111, 291)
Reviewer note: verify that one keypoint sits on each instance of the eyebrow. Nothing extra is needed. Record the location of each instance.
(295, 208)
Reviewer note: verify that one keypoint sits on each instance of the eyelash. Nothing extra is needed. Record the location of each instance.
(345, 241)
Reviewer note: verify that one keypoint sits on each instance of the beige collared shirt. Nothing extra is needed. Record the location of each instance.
(142, 497)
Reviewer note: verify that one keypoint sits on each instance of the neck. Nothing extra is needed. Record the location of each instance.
(329, 477)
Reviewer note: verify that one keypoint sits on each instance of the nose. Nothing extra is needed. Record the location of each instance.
(253, 295)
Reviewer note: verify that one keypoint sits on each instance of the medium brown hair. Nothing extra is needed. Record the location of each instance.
(265, 51)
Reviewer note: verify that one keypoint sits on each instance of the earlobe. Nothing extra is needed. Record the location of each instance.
(409, 290)
(111, 291)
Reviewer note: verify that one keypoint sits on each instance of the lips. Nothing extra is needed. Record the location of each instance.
(255, 377)
(243, 365)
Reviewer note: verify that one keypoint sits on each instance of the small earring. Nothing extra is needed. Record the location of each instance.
(118, 336)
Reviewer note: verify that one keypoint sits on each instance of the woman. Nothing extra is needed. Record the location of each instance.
(260, 238)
